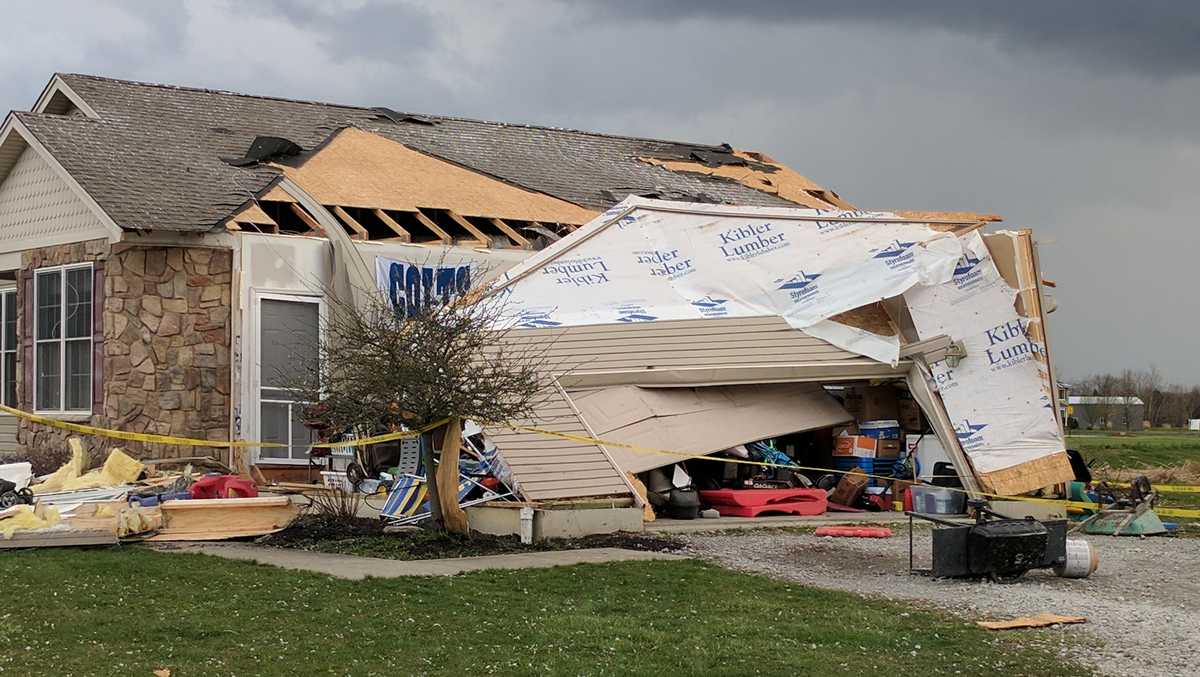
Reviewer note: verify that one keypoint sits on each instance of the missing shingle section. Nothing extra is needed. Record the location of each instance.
(265, 149)
(659, 193)
(399, 118)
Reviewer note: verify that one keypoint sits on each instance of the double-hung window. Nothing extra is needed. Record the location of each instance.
(8, 347)
(63, 338)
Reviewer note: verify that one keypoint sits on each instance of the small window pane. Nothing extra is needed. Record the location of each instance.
(79, 302)
(48, 382)
(10, 379)
(79, 375)
(10, 321)
(49, 305)
(302, 437)
(289, 345)
(274, 428)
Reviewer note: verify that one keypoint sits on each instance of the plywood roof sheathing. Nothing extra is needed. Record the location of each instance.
(768, 176)
(470, 228)
(517, 238)
(401, 234)
(313, 226)
(356, 168)
(434, 228)
(360, 233)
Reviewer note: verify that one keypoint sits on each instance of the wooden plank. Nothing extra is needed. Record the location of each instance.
(517, 238)
(313, 226)
(45, 538)
(221, 518)
(433, 227)
(360, 233)
(401, 234)
(470, 228)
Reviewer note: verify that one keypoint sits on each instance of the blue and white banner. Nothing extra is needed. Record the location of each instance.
(714, 261)
(409, 285)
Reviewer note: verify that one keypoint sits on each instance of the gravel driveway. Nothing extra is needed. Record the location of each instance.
(1143, 605)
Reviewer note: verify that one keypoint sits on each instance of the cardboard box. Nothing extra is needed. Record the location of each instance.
(888, 448)
(872, 403)
(855, 445)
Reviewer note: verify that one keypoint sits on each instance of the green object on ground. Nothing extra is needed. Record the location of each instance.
(129, 611)
(1108, 524)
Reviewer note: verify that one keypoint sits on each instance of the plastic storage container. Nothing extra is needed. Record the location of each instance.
(880, 430)
(938, 500)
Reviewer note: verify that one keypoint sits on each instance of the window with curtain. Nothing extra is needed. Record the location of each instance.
(8, 347)
(63, 338)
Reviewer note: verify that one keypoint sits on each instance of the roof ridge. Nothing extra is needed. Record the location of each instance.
(368, 109)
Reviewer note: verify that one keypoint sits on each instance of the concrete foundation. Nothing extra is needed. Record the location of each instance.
(505, 520)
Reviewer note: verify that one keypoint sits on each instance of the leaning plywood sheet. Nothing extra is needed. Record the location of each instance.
(701, 420)
(221, 518)
(359, 169)
(998, 395)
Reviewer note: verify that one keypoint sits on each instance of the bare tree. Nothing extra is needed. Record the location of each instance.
(382, 371)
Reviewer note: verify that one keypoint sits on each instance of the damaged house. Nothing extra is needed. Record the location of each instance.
(163, 249)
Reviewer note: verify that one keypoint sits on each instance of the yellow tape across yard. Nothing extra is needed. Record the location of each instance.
(196, 442)
(1170, 512)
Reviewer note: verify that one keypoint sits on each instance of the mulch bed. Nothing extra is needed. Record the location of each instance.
(365, 538)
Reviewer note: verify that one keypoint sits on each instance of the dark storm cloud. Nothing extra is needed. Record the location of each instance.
(1151, 37)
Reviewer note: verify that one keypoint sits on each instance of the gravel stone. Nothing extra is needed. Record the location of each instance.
(1142, 605)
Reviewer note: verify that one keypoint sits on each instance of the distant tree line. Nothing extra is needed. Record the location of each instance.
(1165, 404)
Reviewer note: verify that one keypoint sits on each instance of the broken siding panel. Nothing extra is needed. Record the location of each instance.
(38, 208)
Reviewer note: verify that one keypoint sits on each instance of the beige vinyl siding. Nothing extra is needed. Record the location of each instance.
(38, 208)
(8, 436)
(548, 467)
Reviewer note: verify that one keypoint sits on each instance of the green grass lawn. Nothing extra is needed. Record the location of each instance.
(128, 611)
(1137, 450)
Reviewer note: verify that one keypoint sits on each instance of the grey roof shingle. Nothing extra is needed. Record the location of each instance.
(152, 160)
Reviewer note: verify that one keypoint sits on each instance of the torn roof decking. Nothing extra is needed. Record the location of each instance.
(153, 159)
(360, 169)
(667, 353)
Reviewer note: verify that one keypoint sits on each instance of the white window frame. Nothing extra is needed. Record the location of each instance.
(8, 305)
(62, 340)
(257, 380)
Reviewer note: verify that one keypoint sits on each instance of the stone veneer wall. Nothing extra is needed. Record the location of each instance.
(165, 365)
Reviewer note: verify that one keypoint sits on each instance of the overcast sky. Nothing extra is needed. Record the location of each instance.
(1080, 120)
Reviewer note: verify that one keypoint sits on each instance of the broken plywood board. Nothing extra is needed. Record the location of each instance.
(221, 518)
(359, 169)
(1039, 621)
(783, 181)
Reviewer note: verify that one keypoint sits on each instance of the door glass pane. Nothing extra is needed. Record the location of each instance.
(79, 302)
(273, 421)
(48, 381)
(10, 378)
(79, 375)
(49, 304)
(302, 436)
(10, 321)
(288, 345)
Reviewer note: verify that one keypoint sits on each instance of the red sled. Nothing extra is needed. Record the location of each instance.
(755, 502)
(855, 532)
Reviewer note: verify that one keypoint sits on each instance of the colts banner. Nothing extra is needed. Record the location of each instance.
(408, 286)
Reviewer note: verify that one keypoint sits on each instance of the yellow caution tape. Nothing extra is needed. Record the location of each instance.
(1170, 512)
(195, 442)
(1166, 488)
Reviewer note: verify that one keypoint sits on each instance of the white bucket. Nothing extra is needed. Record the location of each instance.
(1082, 560)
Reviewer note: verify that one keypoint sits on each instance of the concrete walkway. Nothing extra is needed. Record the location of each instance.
(357, 568)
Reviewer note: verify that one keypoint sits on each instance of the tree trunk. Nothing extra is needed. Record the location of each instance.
(453, 517)
(435, 508)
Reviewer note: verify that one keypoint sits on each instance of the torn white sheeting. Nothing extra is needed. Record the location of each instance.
(19, 474)
(667, 261)
(996, 396)
(701, 420)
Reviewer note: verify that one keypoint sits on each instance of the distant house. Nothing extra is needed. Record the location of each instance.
(1107, 413)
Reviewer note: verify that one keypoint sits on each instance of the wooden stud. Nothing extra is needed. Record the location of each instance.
(402, 235)
(428, 223)
(360, 233)
(308, 220)
(470, 228)
(517, 238)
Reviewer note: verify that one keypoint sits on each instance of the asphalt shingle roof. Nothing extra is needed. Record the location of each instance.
(153, 159)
